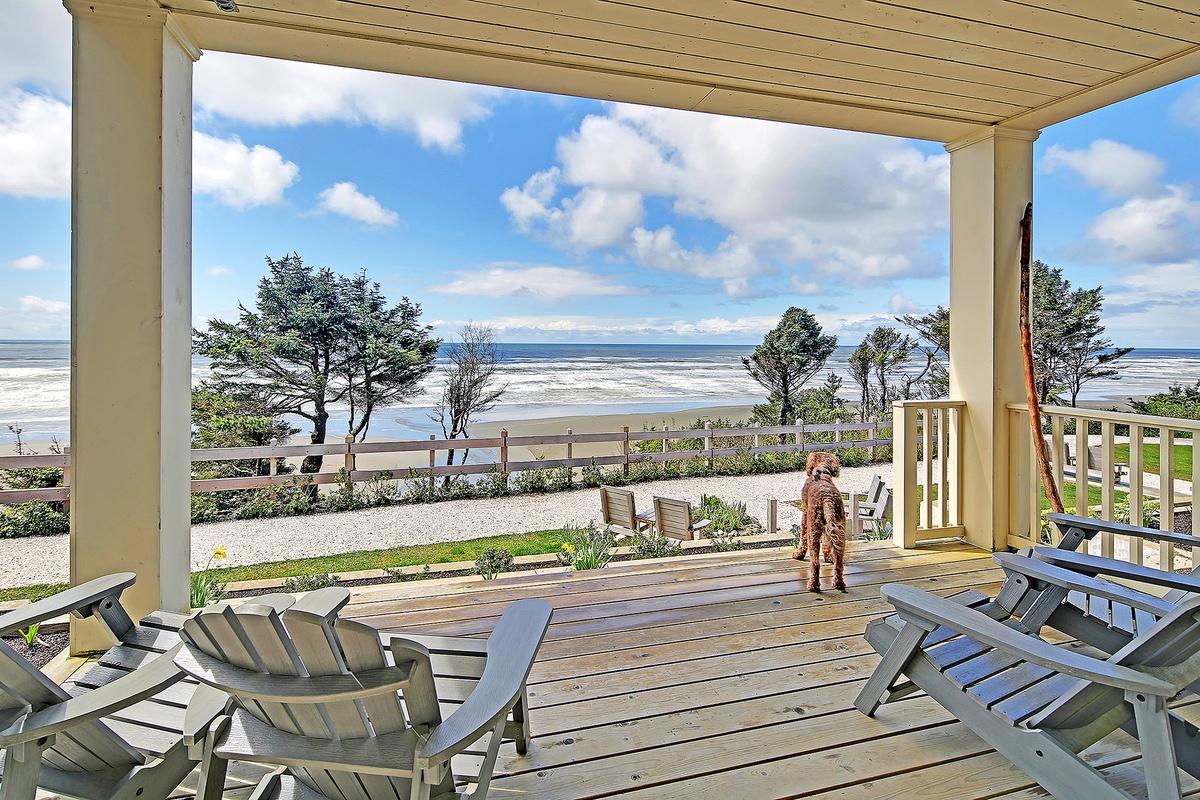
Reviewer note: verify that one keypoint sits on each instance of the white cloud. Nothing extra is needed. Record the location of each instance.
(35, 45)
(852, 205)
(35, 145)
(1150, 230)
(801, 286)
(899, 304)
(547, 282)
(1187, 108)
(1155, 304)
(265, 91)
(597, 327)
(218, 270)
(239, 176)
(36, 316)
(30, 262)
(1116, 169)
(344, 198)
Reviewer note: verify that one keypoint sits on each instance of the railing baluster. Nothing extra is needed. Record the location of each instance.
(1035, 496)
(1137, 477)
(927, 455)
(1082, 501)
(1166, 495)
(943, 468)
(1107, 490)
(1058, 458)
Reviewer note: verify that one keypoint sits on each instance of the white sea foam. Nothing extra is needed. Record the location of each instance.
(548, 380)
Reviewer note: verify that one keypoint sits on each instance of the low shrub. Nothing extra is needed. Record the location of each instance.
(421, 489)
(724, 541)
(281, 500)
(562, 479)
(35, 518)
(531, 481)
(590, 477)
(309, 583)
(458, 489)
(346, 496)
(204, 507)
(381, 490)
(725, 516)
(495, 484)
(493, 561)
(654, 545)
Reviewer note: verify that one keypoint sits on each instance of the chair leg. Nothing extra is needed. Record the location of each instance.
(22, 763)
(520, 715)
(1158, 751)
(894, 660)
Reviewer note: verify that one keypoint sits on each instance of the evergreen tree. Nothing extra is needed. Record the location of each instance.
(790, 354)
(317, 339)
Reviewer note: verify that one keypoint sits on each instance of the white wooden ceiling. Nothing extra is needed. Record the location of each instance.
(933, 69)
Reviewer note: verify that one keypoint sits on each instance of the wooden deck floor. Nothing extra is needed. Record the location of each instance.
(712, 676)
(718, 676)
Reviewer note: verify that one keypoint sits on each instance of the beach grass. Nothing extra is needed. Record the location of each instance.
(1150, 459)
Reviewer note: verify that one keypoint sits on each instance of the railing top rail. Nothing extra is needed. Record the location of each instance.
(26, 462)
(1124, 418)
(929, 403)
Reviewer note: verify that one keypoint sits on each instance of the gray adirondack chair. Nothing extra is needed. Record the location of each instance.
(72, 744)
(1039, 704)
(673, 518)
(318, 697)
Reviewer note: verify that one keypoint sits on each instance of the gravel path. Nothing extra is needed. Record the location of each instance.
(43, 559)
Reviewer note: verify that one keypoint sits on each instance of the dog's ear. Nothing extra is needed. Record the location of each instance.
(811, 463)
(833, 466)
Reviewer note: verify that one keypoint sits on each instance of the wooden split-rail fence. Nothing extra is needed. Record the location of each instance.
(758, 439)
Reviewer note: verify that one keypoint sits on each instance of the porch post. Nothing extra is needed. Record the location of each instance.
(991, 180)
(131, 227)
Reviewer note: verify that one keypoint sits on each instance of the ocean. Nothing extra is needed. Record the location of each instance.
(545, 380)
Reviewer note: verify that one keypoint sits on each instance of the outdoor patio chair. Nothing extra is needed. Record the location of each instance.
(89, 743)
(1040, 704)
(319, 698)
(619, 510)
(1068, 459)
(673, 519)
(1095, 462)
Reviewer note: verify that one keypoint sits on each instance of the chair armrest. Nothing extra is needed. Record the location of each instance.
(512, 648)
(125, 691)
(702, 524)
(1087, 564)
(205, 706)
(1091, 527)
(73, 599)
(929, 611)
(1087, 583)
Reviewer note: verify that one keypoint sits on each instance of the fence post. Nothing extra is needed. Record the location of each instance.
(872, 434)
(800, 435)
(272, 466)
(708, 434)
(349, 454)
(666, 442)
(625, 447)
(504, 449)
(432, 464)
(756, 436)
(66, 506)
(772, 512)
(568, 444)
(837, 433)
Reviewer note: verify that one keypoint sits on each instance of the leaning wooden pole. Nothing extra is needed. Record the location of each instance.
(1035, 412)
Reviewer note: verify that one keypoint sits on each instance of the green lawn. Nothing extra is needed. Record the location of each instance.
(1068, 496)
(1183, 459)
(533, 543)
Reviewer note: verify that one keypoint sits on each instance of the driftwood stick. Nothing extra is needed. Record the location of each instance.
(1035, 412)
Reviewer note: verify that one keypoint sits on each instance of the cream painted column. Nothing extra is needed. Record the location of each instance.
(131, 234)
(991, 181)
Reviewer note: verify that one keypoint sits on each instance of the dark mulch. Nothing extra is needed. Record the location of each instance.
(45, 646)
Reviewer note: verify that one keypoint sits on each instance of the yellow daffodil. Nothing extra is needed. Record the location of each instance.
(568, 547)
(219, 552)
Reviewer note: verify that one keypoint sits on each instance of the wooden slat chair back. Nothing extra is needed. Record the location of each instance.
(1039, 704)
(673, 518)
(1095, 461)
(61, 742)
(319, 696)
(618, 508)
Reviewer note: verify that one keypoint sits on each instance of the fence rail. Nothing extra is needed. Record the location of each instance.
(1090, 468)
(864, 435)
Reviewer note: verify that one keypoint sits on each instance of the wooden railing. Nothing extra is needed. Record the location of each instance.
(927, 470)
(755, 440)
(1101, 482)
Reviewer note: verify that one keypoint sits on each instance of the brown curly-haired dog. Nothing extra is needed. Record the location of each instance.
(823, 527)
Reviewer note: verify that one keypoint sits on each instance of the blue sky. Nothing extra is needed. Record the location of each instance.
(568, 220)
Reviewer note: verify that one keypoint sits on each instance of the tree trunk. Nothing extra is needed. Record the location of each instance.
(312, 464)
(785, 411)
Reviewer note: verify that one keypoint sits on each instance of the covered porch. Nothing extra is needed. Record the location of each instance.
(982, 79)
